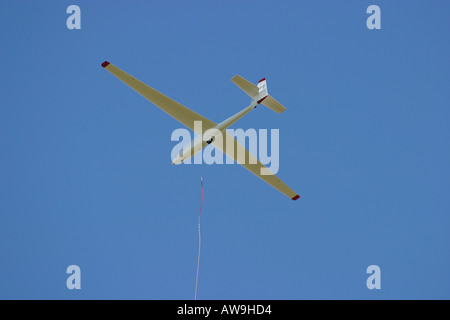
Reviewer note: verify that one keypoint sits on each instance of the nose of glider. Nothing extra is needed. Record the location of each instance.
(177, 160)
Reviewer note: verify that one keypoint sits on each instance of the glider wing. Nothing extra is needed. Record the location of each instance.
(236, 151)
(174, 109)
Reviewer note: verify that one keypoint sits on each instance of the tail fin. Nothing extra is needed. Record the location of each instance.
(259, 93)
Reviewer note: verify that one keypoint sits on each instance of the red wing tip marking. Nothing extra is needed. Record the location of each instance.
(296, 197)
(104, 64)
(261, 80)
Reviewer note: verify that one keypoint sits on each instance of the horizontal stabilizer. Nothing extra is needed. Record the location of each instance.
(273, 104)
(258, 93)
(246, 86)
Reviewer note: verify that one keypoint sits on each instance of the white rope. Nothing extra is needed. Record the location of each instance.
(198, 260)
(199, 241)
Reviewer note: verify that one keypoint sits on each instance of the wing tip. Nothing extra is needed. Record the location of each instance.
(296, 197)
(104, 64)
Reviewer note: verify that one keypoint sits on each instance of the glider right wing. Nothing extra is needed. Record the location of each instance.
(236, 151)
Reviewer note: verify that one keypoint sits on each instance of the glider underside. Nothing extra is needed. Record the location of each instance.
(187, 117)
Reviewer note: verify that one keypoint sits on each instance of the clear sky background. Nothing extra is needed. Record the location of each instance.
(86, 176)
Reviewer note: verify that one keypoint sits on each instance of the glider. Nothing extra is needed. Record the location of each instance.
(209, 131)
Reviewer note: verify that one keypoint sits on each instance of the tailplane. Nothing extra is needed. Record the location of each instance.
(258, 93)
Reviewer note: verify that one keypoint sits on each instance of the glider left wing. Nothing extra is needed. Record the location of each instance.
(176, 110)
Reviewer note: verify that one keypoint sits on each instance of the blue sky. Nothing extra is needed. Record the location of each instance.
(86, 175)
